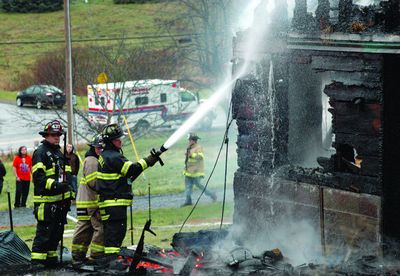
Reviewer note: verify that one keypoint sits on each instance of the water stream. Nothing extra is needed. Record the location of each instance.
(252, 46)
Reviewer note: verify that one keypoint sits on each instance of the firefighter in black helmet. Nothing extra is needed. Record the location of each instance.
(115, 193)
(52, 195)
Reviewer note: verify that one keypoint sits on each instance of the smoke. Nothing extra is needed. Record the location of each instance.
(298, 239)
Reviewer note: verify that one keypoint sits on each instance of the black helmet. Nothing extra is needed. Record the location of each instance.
(111, 132)
(53, 127)
(193, 136)
(97, 141)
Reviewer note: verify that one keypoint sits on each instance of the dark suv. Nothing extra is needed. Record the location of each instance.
(41, 96)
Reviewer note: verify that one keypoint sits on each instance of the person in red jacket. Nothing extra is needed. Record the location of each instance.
(22, 168)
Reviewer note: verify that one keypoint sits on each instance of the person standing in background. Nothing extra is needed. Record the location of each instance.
(22, 168)
(2, 174)
(194, 169)
(73, 161)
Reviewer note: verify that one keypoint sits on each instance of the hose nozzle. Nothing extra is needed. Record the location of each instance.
(157, 153)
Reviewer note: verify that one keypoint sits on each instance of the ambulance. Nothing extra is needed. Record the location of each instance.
(144, 103)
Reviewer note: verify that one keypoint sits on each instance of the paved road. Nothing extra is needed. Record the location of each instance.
(15, 130)
(20, 125)
(24, 216)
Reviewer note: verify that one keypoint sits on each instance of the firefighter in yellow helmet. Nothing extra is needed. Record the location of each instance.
(115, 192)
(89, 229)
(52, 195)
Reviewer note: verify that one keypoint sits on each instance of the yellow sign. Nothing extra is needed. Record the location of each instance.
(102, 78)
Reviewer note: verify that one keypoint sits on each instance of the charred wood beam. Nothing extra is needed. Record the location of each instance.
(302, 21)
(255, 141)
(344, 181)
(355, 124)
(364, 119)
(368, 79)
(322, 15)
(364, 145)
(350, 93)
(248, 127)
(347, 63)
(345, 8)
(189, 264)
(392, 12)
(244, 99)
(258, 162)
(197, 243)
(300, 10)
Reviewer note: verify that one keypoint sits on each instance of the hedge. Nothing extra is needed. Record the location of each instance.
(31, 6)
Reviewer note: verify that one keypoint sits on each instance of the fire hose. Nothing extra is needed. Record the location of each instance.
(154, 153)
(9, 207)
(62, 202)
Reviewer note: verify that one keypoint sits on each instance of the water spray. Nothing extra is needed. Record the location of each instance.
(252, 47)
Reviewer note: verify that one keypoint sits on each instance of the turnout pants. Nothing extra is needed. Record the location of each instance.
(21, 193)
(88, 231)
(114, 225)
(194, 181)
(51, 218)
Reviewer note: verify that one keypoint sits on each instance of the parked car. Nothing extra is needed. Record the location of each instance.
(41, 96)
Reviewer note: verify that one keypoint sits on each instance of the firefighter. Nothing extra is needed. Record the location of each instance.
(115, 192)
(89, 229)
(194, 169)
(52, 195)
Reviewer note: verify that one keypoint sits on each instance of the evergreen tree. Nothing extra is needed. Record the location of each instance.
(28, 6)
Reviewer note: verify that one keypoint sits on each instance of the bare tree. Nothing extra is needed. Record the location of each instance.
(122, 64)
(207, 47)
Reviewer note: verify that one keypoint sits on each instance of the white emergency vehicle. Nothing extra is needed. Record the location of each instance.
(145, 103)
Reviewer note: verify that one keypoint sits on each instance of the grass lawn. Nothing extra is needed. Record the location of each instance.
(165, 223)
(8, 96)
(39, 33)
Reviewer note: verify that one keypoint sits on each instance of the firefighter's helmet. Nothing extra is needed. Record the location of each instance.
(97, 141)
(111, 132)
(53, 127)
(193, 136)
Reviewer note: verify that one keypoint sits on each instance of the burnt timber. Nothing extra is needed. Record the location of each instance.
(350, 55)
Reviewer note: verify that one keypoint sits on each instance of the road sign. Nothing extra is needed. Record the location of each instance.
(102, 78)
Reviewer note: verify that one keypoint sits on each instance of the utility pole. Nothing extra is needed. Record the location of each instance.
(68, 70)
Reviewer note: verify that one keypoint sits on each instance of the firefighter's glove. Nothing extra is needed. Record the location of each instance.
(64, 187)
(151, 160)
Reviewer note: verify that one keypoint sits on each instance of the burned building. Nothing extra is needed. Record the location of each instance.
(318, 123)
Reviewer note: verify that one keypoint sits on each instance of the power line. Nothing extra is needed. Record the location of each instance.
(34, 52)
(97, 39)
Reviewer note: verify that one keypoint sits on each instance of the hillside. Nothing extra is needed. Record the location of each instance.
(25, 37)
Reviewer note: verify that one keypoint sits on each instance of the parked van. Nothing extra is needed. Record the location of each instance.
(145, 103)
